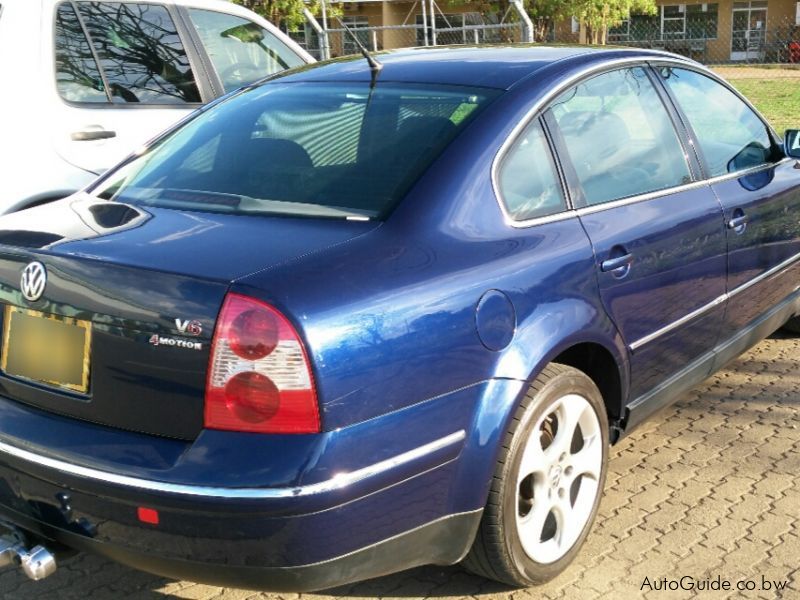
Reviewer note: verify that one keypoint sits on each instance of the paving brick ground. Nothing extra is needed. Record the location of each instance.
(710, 488)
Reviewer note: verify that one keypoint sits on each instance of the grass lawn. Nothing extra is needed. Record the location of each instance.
(778, 99)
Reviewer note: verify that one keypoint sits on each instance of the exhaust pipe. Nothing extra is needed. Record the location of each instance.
(37, 562)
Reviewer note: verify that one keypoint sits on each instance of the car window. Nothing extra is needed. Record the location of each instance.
(140, 53)
(242, 51)
(731, 136)
(309, 149)
(77, 74)
(619, 137)
(529, 184)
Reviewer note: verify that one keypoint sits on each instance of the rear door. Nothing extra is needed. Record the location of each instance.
(657, 235)
(758, 188)
(123, 74)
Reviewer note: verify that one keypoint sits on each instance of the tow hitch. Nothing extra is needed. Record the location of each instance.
(36, 562)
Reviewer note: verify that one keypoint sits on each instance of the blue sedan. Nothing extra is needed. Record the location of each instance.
(350, 320)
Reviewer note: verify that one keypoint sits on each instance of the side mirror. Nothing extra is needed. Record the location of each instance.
(791, 144)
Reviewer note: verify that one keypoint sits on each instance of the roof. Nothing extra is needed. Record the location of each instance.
(485, 66)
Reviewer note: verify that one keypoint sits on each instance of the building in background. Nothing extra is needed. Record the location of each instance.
(728, 30)
(388, 24)
(763, 31)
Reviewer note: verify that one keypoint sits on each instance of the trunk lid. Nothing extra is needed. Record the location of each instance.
(150, 283)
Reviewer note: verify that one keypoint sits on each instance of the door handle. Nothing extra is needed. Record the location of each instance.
(89, 135)
(739, 221)
(614, 264)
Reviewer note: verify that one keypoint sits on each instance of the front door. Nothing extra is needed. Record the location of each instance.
(758, 190)
(749, 31)
(659, 243)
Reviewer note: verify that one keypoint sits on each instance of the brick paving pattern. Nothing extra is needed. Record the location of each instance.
(709, 488)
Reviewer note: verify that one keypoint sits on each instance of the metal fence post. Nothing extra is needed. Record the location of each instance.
(433, 22)
(527, 24)
(425, 21)
(325, 39)
(324, 48)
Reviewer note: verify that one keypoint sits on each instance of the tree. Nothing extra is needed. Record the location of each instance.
(546, 13)
(598, 16)
(288, 13)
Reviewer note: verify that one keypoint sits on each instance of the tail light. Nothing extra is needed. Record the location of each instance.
(259, 377)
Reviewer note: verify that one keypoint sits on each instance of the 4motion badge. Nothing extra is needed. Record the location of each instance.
(163, 340)
(185, 327)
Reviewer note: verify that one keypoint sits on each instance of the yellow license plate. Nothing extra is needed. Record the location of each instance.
(46, 348)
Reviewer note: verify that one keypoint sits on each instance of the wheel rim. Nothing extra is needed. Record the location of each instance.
(558, 478)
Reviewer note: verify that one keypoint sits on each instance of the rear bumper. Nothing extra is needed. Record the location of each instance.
(443, 541)
(408, 491)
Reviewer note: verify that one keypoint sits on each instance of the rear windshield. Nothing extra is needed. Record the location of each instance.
(313, 149)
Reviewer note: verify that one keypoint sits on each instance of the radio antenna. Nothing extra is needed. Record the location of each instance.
(374, 66)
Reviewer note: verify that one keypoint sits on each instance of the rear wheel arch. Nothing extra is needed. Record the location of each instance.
(600, 365)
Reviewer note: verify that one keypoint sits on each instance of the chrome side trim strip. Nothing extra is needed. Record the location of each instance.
(338, 481)
(716, 302)
(765, 275)
(746, 172)
(595, 208)
(675, 324)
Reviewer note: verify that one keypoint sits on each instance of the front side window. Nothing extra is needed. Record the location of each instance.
(303, 149)
(529, 185)
(730, 135)
(78, 77)
(242, 51)
(140, 53)
(619, 137)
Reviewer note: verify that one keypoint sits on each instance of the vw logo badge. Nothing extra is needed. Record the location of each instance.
(33, 280)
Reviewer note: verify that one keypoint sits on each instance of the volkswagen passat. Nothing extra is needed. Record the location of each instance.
(353, 320)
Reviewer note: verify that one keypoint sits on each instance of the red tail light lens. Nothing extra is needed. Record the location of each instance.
(259, 377)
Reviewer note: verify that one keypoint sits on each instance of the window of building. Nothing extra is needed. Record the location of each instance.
(445, 23)
(357, 25)
(673, 21)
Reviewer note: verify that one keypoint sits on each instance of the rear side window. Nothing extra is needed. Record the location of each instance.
(528, 182)
(619, 137)
(242, 51)
(134, 49)
(731, 136)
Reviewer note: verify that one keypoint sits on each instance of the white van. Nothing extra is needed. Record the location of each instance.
(84, 83)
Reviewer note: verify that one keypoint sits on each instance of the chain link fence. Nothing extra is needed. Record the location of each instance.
(467, 28)
(775, 41)
(753, 40)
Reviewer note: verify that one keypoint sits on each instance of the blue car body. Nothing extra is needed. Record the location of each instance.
(423, 330)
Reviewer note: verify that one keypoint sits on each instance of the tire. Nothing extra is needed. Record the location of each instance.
(792, 325)
(506, 548)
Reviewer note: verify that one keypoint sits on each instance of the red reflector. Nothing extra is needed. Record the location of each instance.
(147, 515)
(253, 397)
